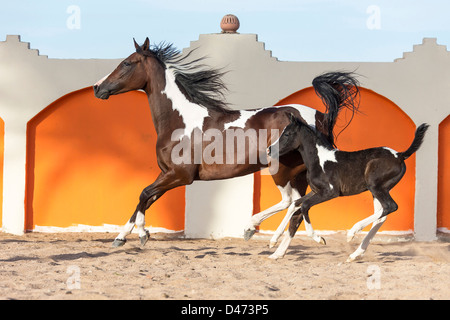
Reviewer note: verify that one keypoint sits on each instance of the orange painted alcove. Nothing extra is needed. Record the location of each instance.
(443, 205)
(379, 123)
(88, 161)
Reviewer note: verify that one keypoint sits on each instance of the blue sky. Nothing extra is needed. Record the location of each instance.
(302, 30)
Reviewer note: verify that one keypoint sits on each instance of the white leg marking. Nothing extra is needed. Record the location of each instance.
(283, 204)
(281, 250)
(378, 211)
(366, 241)
(140, 224)
(312, 234)
(292, 209)
(126, 231)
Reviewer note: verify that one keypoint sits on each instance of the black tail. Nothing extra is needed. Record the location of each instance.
(417, 142)
(337, 90)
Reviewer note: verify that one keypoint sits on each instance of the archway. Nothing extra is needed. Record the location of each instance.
(380, 123)
(88, 160)
(443, 204)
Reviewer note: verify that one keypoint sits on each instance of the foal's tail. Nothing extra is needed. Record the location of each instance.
(337, 90)
(417, 142)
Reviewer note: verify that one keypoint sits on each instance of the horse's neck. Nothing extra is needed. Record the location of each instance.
(309, 149)
(170, 103)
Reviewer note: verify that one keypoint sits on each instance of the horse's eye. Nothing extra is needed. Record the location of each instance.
(126, 64)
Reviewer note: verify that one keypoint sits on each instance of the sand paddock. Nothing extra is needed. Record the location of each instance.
(85, 266)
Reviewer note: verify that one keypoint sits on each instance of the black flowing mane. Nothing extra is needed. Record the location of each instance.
(320, 137)
(200, 83)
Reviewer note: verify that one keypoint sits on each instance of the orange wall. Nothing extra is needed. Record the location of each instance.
(380, 123)
(443, 209)
(88, 161)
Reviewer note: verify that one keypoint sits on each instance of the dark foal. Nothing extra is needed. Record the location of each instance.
(333, 173)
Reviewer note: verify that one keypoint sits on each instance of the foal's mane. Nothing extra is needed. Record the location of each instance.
(318, 136)
(200, 83)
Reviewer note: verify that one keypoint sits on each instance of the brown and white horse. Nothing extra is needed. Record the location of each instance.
(200, 138)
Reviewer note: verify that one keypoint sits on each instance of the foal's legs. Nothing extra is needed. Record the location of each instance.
(150, 194)
(309, 229)
(383, 205)
(365, 243)
(307, 202)
(299, 184)
(377, 212)
(296, 220)
(282, 226)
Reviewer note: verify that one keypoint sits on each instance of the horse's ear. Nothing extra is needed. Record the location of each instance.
(292, 117)
(146, 44)
(295, 120)
(137, 46)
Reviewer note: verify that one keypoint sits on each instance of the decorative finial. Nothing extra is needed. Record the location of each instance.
(229, 24)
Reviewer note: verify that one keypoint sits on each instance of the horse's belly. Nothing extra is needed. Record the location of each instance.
(226, 171)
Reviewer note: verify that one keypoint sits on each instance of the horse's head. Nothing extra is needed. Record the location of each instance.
(289, 139)
(130, 74)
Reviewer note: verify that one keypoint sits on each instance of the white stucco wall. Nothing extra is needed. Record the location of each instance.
(419, 83)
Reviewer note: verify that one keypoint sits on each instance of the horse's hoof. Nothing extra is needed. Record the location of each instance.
(350, 237)
(118, 243)
(352, 258)
(145, 238)
(249, 233)
(272, 244)
(322, 241)
(275, 256)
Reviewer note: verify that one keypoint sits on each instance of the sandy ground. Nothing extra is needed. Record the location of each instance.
(85, 266)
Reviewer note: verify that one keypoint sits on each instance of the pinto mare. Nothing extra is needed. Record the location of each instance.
(187, 98)
(333, 173)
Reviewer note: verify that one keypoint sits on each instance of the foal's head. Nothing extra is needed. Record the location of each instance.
(296, 136)
(289, 139)
(130, 74)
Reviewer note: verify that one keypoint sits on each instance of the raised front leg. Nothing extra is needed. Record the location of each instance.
(149, 195)
(366, 241)
(384, 205)
(286, 200)
(377, 212)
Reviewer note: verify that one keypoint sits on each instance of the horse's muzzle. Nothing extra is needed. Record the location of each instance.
(101, 94)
